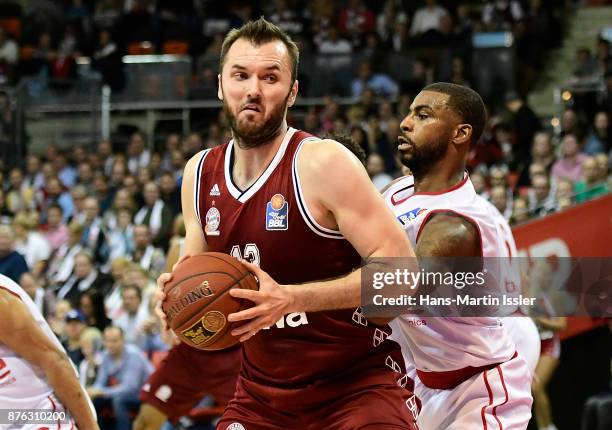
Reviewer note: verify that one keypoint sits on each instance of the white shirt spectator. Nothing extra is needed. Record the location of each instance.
(9, 51)
(427, 18)
(35, 248)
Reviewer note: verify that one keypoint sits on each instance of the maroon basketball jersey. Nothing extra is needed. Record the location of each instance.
(269, 225)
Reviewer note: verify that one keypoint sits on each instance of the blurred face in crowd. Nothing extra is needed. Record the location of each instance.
(113, 341)
(479, 182)
(79, 154)
(172, 142)
(520, 210)
(16, 178)
(122, 199)
(131, 185)
(541, 187)
(542, 146)
(144, 175)
(28, 283)
(150, 193)
(33, 165)
(85, 172)
(570, 145)
(100, 185)
(79, 194)
(117, 271)
(105, 149)
(54, 187)
(426, 133)
(497, 177)
(91, 208)
(568, 120)
(118, 173)
(602, 166)
(82, 266)
(536, 169)
(131, 301)
(178, 161)
(54, 217)
(142, 236)
(74, 235)
(155, 163)
(124, 219)
(136, 145)
(48, 171)
(565, 188)
(86, 306)
(498, 198)
(167, 184)
(375, 164)
(74, 329)
(256, 89)
(601, 122)
(589, 170)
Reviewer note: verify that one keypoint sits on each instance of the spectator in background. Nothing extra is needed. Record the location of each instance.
(336, 50)
(564, 193)
(526, 124)
(191, 145)
(61, 262)
(12, 263)
(389, 20)
(9, 55)
(381, 84)
(170, 193)
(94, 234)
(570, 164)
(34, 178)
(43, 299)
(501, 15)
(600, 139)
(121, 201)
(91, 344)
(75, 326)
(427, 18)
(107, 60)
(150, 258)
(138, 155)
(156, 215)
(105, 151)
(586, 65)
(6, 215)
(541, 202)
(569, 123)
(499, 198)
(102, 191)
(356, 20)
(92, 306)
(123, 370)
(520, 211)
(112, 300)
(57, 321)
(121, 237)
(479, 181)
(19, 196)
(85, 277)
(133, 317)
(31, 243)
(56, 232)
(376, 169)
(542, 150)
(78, 195)
(65, 172)
(591, 186)
(57, 196)
(603, 166)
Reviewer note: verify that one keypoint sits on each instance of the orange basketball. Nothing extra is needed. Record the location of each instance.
(197, 299)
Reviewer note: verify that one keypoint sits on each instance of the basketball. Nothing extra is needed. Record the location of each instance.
(197, 299)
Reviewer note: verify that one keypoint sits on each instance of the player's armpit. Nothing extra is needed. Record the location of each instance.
(195, 242)
(448, 235)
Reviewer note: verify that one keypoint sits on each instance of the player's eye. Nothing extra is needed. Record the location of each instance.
(271, 78)
(240, 76)
(422, 116)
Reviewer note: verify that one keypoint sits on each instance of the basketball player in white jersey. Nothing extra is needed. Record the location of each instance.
(35, 372)
(521, 328)
(469, 375)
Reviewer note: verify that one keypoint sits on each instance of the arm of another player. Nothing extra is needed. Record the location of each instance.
(195, 243)
(20, 332)
(338, 191)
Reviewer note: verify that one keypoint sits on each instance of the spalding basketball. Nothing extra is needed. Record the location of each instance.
(197, 299)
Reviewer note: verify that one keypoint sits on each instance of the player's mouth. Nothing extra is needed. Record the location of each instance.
(253, 107)
(403, 143)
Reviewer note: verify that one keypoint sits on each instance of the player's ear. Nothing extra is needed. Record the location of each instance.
(463, 134)
(293, 93)
(219, 90)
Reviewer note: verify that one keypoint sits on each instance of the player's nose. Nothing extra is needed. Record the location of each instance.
(254, 89)
(406, 124)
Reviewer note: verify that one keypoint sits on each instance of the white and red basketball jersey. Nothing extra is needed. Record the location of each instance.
(443, 344)
(22, 384)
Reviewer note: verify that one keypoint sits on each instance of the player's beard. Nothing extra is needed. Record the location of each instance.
(249, 135)
(422, 158)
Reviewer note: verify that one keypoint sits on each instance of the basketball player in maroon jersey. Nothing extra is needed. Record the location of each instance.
(283, 199)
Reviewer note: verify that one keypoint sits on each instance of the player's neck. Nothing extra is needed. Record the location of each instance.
(437, 179)
(250, 163)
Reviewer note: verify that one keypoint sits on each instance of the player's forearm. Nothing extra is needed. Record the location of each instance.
(66, 387)
(339, 293)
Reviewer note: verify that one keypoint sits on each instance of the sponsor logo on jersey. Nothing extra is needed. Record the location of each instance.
(405, 218)
(276, 213)
(294, 319)
(214, 191)
(213, 219)
(163, 393)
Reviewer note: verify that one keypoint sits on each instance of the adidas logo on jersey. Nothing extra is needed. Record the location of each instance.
(214, 191)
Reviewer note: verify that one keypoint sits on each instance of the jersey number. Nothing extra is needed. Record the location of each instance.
(251, 253)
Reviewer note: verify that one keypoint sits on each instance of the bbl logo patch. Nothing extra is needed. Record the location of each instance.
(205, 328)
(276, 213)
(410, 215)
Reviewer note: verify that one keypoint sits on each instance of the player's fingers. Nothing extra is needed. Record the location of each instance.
(180, 260)
(253, 268)
(247, 314)
(243, 293)
(247, 330)
(162, 280)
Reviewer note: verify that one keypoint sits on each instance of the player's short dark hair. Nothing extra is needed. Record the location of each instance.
(466, 103)
(259, 32)
(349, 143)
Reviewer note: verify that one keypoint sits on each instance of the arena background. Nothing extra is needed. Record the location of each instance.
(141, 75)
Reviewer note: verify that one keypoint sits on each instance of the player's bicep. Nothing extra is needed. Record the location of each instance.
(195, 242)
(20, 332)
